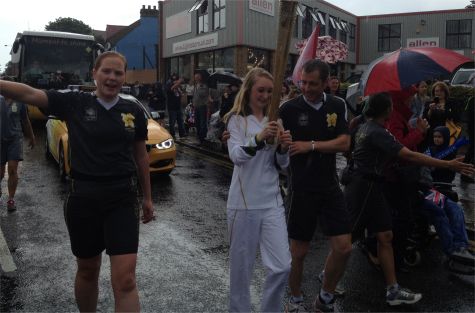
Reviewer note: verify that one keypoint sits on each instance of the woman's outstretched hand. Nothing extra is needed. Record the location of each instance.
(464, 168)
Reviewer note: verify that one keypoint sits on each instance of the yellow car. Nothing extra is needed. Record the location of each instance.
(35, 114)
(160, 145)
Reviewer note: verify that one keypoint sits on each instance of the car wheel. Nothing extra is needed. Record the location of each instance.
(61, 164)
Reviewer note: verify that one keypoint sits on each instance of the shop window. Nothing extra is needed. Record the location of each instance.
(180, 66)
(224, 60)
(206, 61)
(258, 58)
(459, 34)
(389, 37)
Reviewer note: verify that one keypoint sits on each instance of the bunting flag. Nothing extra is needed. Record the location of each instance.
(309, 52)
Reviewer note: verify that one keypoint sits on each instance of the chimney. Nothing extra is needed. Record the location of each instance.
(148, 11)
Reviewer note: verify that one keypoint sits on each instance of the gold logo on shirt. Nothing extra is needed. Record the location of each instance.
(331, 119)
(128, 120)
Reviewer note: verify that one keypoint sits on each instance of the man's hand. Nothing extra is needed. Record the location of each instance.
(285, 140)
(225, 136)
(457, 165)
(300, 147)
(147, 210)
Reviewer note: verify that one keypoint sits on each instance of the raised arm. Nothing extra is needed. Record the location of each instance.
(455, 165)
(24, 93)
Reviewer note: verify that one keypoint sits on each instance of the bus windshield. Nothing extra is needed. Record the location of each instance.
(50, 62)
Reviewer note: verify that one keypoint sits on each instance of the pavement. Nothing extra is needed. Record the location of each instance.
(466, 191)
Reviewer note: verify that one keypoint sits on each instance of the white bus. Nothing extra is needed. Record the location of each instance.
(53, 60)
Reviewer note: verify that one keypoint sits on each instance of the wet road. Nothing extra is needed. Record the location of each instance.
(183, 256)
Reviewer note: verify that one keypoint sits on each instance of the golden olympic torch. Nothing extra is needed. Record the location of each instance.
(285, 26)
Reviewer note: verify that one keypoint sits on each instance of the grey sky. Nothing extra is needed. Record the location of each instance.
(20, 15)
(373, 7)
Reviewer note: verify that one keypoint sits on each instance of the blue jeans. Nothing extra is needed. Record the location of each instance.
(202, 122)
(449, 222)
(176, 116)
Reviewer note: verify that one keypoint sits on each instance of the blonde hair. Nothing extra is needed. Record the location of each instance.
(241, 103)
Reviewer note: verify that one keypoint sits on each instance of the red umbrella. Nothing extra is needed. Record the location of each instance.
(405, 67)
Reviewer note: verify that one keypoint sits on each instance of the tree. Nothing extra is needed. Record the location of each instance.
(68, 24)
(471, 5)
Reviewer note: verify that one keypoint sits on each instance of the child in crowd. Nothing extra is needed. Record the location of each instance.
(444, 213)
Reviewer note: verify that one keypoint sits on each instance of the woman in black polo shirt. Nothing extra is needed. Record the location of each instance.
(375, 148)
(107, 142)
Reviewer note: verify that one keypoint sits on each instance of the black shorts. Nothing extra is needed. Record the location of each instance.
(367, 206)
(11, 150)
(309, 208)
(102, 215)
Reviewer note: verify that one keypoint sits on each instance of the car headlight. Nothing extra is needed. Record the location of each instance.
(167, 144)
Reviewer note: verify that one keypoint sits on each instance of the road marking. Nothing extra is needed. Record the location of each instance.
(6, 260)
(206, 157)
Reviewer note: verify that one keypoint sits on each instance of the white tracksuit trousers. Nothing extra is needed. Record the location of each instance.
(249, 229)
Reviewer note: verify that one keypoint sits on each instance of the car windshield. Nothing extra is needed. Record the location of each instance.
(462, 77)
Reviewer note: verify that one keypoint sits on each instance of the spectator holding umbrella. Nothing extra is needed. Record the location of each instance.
(228, 100)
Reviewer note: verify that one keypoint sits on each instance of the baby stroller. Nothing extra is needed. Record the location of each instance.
(189, 118)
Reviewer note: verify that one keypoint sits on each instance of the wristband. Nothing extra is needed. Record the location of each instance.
(313, 145)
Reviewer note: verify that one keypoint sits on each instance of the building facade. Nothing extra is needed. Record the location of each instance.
(138, 42)
(450, 29)
(235, 36)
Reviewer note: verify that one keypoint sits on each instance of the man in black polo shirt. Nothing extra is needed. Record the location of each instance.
(319, 128)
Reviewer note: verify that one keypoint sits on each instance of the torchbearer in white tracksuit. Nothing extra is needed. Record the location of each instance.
(255, 211)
